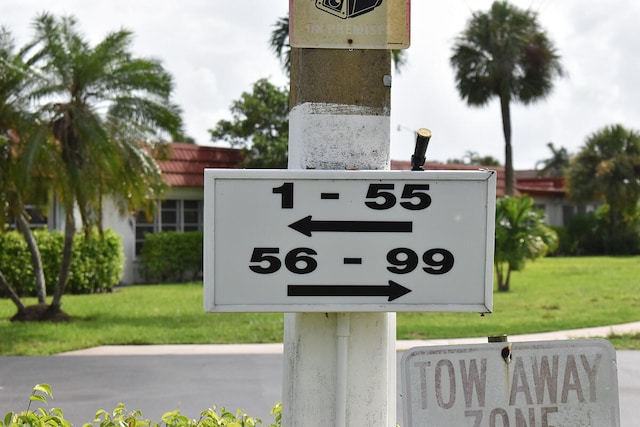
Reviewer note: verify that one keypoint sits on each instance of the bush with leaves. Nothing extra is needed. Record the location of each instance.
(607, 170)
(521, 235)
(121, 417)
(96, 266)
(588, 234)
(171, 256)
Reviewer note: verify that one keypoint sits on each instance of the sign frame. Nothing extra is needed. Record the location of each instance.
(226, 191)
(566, 382)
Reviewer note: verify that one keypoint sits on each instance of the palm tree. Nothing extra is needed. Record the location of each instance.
(521, 234)
(555, 165)
(279, 43)
(17, 125)
(607, 169)
(105, 109)
(504, 53)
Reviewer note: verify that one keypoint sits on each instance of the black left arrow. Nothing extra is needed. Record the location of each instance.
(307, 225)
(393, 290)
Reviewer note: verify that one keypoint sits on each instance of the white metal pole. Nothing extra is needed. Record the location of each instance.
(343, 329)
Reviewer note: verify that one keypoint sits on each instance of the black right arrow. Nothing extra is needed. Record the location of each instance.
(306, 226)
(393, 290)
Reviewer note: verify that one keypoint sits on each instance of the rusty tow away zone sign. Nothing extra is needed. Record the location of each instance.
(534, 384)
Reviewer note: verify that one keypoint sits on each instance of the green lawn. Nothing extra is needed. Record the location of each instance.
(550, 294)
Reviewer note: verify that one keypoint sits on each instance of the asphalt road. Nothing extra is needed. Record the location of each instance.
(159, 383)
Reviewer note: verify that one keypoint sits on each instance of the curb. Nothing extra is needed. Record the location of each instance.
(278, 348)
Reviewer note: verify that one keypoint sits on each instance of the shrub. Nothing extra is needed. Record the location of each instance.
(96, 266)
(97, 263)
(121, 417)
(591, 234)
(171, 256)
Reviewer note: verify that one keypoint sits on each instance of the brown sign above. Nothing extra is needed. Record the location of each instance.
(349, 24)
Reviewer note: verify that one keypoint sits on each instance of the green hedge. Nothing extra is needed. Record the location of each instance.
(591, 234)
(96, 266)
(171, 256)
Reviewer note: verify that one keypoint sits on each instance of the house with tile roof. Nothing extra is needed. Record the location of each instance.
(182, 206)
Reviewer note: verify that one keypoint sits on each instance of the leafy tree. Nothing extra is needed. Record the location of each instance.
(607, 169)
(17, 125)
(279, 43)
(100, 102)
(260, 125)
(521, 235)
(504, 53)
(555, 165)
(103, 111)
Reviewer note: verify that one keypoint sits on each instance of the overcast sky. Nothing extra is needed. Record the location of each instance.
(217, 49)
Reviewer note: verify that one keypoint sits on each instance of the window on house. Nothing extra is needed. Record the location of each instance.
(191, 215)
(169, 215)
(174, 215)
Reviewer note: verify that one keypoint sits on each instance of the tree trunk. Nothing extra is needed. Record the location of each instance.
(509, 176)
(65, 265)
(36, 259)
(11, 293)
(503, 282)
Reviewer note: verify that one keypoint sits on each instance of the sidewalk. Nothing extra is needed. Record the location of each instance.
(401, 345)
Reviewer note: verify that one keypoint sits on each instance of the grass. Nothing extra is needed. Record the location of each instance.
(550, 294)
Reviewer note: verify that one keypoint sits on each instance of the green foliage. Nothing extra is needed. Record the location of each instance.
(171, 256)
(212, 417)
(588, 234)
(39, 417)
(97, 264)
(121, 417)
(555, 165)
(100, 111)
(607, 169)
(260, 125)
(521, 235)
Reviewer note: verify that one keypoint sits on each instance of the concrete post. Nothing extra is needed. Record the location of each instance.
(339, 368)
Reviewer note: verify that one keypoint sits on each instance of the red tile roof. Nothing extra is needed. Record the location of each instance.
(500, 187)
(542, 186)
(185, 164)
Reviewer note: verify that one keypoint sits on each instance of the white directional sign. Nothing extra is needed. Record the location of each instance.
(321, 241)
(532, 384)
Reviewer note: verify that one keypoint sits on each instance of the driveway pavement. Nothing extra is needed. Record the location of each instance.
(156, 379)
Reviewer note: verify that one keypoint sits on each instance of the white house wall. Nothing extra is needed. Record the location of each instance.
(125, 226)
(553, 213)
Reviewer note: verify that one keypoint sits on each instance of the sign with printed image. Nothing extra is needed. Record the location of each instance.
(349, 24)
